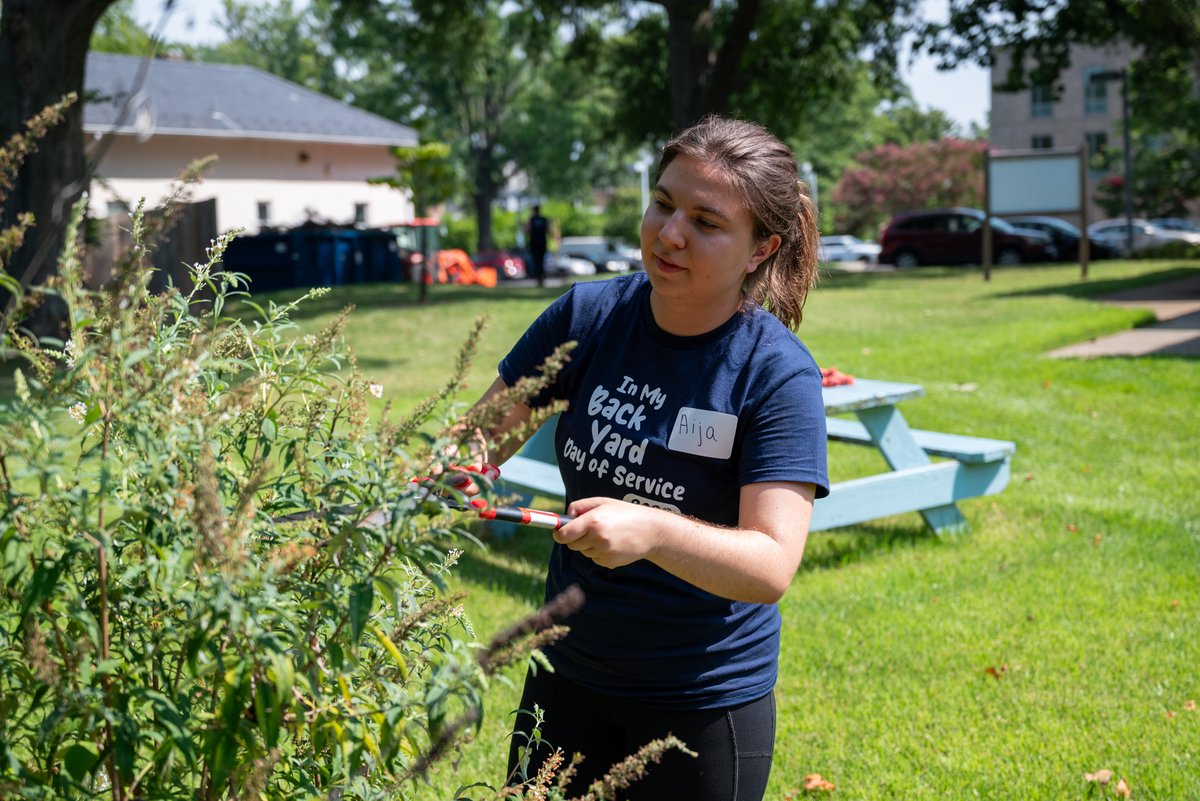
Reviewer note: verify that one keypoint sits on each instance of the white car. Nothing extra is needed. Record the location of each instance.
(599, 251)
(1145, 235)
(565, 266)
(848, 248)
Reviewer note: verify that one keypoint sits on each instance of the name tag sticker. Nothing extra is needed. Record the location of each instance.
(703, 433)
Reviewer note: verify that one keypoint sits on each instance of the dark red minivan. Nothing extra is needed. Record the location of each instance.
(955, 236)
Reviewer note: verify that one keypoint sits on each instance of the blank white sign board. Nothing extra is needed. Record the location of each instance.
(1036, 183)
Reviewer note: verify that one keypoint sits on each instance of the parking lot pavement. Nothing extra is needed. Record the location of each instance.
(1176, 307)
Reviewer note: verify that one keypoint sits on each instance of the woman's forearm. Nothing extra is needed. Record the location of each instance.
(754, 562)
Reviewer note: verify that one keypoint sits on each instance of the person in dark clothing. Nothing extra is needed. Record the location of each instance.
(537, 230)
(691, 449)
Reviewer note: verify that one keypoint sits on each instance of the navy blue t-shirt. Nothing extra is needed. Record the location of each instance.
(680, 423)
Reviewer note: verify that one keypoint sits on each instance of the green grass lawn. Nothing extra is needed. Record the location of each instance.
(1061, 635)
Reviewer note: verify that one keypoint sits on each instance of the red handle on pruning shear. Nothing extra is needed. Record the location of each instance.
(508, 514)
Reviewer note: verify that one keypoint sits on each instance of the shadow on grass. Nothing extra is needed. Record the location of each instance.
(836, 279)
(1086, 289)
(829, 550)
(513, 564)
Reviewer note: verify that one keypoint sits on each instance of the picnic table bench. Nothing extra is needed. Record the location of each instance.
(971, 467)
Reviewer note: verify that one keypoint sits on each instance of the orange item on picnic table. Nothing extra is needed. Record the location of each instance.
(833, 377)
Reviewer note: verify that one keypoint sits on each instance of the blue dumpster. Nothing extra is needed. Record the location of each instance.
(308, 257)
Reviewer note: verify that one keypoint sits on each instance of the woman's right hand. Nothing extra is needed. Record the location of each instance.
(610, 532)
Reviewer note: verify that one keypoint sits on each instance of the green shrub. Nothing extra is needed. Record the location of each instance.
(219, 580)
(195, 603)
(169, 628)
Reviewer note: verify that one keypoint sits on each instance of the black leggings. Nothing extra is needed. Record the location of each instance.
(734, 744)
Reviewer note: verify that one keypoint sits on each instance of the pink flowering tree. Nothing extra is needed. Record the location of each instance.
(893, 178)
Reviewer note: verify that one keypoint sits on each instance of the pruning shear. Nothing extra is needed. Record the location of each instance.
(455, 479)
(508, 514)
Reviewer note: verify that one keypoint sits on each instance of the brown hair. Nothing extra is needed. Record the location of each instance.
(762, 170)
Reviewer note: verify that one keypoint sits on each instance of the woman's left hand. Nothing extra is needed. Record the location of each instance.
(610, 532)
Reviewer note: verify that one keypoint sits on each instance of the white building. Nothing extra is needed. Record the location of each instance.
(285, 154)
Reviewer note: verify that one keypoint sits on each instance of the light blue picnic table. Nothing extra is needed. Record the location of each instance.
(966, 466)
(969, 466)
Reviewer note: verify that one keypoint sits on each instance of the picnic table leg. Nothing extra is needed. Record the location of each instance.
(890, 433)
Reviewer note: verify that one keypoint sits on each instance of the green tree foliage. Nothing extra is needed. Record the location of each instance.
(278, 38)
(1166, 178)
(893, 178)
(1038, 36)
(595, 81)
(904, 123)
(559, 138)
(118, 31)
(775, 61)
(865, 120)
(476, 75)
(623, 219)
(426, 172)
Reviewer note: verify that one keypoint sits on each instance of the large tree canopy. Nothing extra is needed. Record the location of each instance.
(1039, 33)
(781, 62)
(472, 74)
(558, 89)
(553, 87)
(279, 38)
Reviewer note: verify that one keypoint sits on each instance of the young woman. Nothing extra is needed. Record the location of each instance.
(691, 451)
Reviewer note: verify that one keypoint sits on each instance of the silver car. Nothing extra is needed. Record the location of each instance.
(601, 252)
(843, 247)
(1145, 234)
(565, 266)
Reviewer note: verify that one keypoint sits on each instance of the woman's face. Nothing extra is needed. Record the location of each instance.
(698, 246)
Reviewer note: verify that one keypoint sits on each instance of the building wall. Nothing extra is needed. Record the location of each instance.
(1018, 123)
(295, 180)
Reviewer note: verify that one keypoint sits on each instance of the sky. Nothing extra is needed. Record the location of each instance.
(961, 93)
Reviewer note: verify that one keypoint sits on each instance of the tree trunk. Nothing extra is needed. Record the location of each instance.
(486, 189)
(727, 75)
(43, 52)
(689, 22)
(702, 76)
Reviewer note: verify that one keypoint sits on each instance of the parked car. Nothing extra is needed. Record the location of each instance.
(507, 265)
(632, 254)
(566, 266)
(601, 252)
(955, 236)
(1066, 236)
(1175, 224)
(1145, 235)
(842, 247)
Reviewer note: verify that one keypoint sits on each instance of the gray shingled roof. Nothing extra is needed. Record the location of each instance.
(225, 100)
